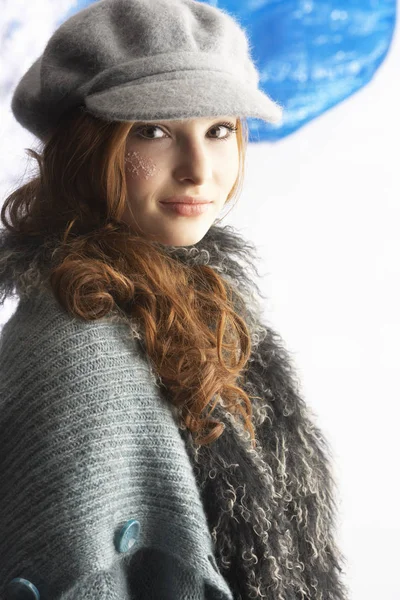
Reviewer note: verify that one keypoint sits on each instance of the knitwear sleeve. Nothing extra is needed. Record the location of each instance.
(88, 444)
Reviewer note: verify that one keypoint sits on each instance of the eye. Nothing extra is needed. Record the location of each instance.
(140, 129)
(229, 126)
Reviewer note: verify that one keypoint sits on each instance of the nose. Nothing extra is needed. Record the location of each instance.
(194, 162)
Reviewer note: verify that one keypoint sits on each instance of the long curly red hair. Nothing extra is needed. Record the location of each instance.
(194, 335)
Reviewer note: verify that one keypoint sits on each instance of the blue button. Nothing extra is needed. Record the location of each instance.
(21, 589)
(128, 536)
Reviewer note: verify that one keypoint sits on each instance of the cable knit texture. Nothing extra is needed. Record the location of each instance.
(89, 441)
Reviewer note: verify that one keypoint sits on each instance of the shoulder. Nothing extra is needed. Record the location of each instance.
(41, 320)
(41, 338)
(54, 365)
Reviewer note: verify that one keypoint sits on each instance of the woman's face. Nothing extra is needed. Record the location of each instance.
(193, 157)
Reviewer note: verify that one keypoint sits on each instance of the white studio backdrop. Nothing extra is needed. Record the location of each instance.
(322, 207)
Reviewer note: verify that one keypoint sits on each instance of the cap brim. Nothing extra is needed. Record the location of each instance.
(211, 95)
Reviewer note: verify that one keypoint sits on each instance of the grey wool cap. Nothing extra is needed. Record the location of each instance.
(127, 60)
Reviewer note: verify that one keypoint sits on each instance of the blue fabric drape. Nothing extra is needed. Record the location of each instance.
(312, 55)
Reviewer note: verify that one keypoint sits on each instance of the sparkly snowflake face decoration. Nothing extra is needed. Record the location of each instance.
(139, 165)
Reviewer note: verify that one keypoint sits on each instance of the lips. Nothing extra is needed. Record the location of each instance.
(185, 200)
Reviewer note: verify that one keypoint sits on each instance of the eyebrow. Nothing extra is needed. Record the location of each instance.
(172, 121)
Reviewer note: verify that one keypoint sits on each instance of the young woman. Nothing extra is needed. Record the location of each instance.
(153, 442)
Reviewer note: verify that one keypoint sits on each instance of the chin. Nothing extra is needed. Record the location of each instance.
(184, 240)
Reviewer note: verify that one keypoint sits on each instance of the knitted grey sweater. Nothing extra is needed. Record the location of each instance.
(87, 444)
(103, 495)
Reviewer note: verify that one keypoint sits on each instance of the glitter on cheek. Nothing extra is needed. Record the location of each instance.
(137, 165)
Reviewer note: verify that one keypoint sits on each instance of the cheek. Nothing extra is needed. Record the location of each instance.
(229, 167)
(139, 166)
